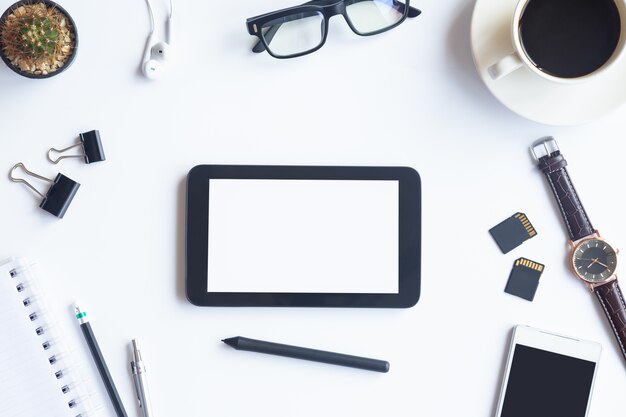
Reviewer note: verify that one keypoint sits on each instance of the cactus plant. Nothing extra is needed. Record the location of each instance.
(36, 38)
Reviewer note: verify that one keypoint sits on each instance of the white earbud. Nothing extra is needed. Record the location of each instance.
(152, 69)
(161, 51)
(156, 55)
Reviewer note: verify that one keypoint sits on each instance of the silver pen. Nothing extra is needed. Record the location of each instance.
(141, 383)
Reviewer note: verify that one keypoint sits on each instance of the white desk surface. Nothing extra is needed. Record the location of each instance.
(408, 97)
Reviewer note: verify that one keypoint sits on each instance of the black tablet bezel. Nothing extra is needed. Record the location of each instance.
(197, 236)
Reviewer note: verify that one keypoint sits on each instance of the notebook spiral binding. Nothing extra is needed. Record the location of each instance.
(72, 386)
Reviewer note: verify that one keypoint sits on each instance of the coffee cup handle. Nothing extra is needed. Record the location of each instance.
(505, 66)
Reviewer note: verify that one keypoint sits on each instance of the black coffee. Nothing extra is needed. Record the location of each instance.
(570, 38)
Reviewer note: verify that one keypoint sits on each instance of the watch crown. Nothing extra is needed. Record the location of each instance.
(617, 251)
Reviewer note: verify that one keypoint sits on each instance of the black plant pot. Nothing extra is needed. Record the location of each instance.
(71, 23)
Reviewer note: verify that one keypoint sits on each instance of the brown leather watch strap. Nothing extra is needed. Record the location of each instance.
(612, 301)
(576, 220)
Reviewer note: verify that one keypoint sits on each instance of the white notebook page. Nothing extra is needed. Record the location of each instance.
(28, 385)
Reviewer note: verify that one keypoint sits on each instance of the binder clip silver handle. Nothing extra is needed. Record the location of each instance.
(60, 151)
(91, 145)
(32, 174)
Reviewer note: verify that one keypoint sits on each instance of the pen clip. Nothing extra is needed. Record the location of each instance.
(133, 368)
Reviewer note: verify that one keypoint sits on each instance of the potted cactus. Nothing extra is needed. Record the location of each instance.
(38, 38)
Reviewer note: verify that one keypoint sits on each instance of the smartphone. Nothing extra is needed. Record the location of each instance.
(548, 375)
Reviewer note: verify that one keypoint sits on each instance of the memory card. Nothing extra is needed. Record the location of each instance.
(524, 278)
(512, 232)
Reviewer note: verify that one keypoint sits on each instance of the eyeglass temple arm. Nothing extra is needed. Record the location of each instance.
(269, 35)
(413, 12)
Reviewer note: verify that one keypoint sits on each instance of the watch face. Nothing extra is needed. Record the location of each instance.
(594, 260)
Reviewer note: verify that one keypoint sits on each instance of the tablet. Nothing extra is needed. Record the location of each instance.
(306, 236)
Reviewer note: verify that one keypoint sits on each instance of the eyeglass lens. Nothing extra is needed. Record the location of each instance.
(304, 31)
(294, 34)
(368, 16)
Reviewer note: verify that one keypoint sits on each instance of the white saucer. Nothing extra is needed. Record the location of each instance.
(528, 94)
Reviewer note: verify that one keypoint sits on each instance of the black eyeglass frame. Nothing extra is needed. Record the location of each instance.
(328, 9)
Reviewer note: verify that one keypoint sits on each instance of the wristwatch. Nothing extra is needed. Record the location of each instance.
(593, 259)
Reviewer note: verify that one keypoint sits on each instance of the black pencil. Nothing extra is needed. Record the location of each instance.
(90, 338)
(259, 346)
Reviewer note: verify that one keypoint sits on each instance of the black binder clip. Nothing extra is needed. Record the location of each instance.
(59, 195)
(92, 149)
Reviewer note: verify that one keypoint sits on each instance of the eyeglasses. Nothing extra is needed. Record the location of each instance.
(300, 30)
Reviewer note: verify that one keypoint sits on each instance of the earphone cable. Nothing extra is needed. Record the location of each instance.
(151, 17)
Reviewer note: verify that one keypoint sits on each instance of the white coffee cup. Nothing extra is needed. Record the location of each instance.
(518, 58)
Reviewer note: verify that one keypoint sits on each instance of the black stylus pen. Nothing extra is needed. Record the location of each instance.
(90, 338)
(252, 345)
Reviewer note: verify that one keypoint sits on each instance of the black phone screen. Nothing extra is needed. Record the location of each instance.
(547, 384)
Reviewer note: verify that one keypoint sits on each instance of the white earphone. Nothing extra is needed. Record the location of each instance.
(156, 55)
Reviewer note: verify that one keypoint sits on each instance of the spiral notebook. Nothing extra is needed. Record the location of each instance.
(36, 376)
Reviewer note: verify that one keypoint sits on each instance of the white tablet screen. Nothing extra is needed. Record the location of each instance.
(303, 236)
